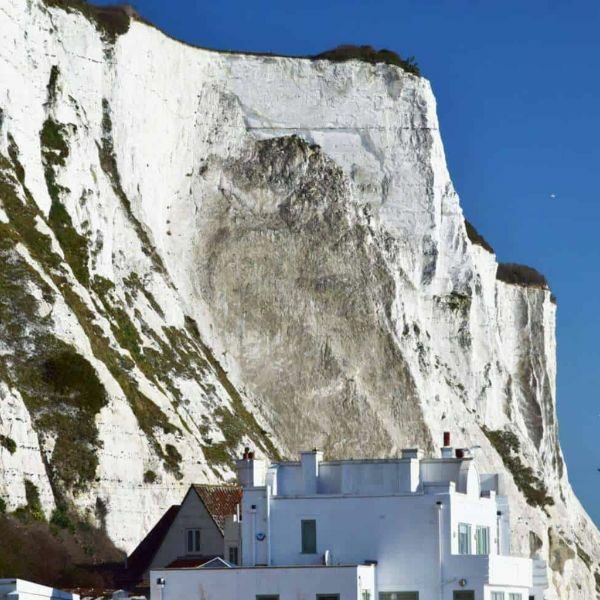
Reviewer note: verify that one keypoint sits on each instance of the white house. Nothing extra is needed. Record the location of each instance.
(19, 589)
(205, 525)
(410, 528)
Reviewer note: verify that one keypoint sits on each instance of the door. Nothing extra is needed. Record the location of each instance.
(463, 595)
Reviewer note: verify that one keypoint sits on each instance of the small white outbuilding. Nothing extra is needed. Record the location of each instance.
(19, 589)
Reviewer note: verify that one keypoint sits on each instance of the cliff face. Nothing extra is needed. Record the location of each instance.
(203, 251)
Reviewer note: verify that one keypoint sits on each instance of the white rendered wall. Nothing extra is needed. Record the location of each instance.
(400, 532)
(247, 583)
(192, 515)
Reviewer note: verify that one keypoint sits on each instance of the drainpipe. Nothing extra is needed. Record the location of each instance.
(498, 544)
(253, 512)
(268, 526)
(440, 562)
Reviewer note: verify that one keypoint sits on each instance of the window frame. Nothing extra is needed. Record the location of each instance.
(304, 547)
(196, 534)
(469, 533)
(236, 550)
(455, 593)
(479, 529)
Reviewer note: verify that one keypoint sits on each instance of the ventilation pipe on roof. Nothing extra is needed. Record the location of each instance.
(447, 448)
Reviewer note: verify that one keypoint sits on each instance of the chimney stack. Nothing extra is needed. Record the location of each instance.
(251, 472)
(447, 449)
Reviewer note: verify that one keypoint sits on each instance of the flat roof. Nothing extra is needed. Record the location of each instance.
(271, 567)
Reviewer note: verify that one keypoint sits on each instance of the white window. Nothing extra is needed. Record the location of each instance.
(497, 595)
(464, 538)
(193, 541)
(513, 596)
(482, 540)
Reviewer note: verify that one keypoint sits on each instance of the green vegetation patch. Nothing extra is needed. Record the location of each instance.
(32, 511)
(110, 21)
(150, 477)
(234, 424)
(8, 443)
(507, 445)
(521, 275)
(55, 151)
(455, 301)
(476, 238)
(368, 54)
(584, 556)
(59, 387)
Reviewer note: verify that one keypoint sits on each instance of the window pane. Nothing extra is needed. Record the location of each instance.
(197, 540)
(482, 540)
(190, 541)
(497, 595)
(309, 536)
(464, 538)
(233, 555)
(398, 595)
(515, 596)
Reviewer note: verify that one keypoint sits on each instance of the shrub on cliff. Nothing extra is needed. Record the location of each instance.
(521, 275)
(476, 238)
(369, 54)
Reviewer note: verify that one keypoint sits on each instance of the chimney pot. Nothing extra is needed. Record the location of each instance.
(460, 453)
(251, 455)
(446, 438)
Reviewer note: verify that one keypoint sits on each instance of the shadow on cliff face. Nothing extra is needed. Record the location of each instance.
(66, 557)
(297, 283)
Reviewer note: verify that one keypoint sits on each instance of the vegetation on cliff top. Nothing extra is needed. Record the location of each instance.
(368, 54)
(110, 21)
(521, 275)
(476, 238)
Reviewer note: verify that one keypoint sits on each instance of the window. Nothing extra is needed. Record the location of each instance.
(398, 595)
(366, 595)
(514, 596)
(309, 537)
(193, 541)
(464, 538)
(268, 597)
(233, 555)
(463, 595)
(482, 540)
(328, 597)
(497, 595)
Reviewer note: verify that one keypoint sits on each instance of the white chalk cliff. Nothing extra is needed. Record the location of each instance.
(238, 250)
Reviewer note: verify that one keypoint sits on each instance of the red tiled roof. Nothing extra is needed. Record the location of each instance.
(220, 501)
(189, 563)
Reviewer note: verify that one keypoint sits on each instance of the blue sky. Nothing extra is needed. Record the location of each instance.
(518, 96)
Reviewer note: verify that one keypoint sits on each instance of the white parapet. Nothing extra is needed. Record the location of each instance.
(19, 589)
